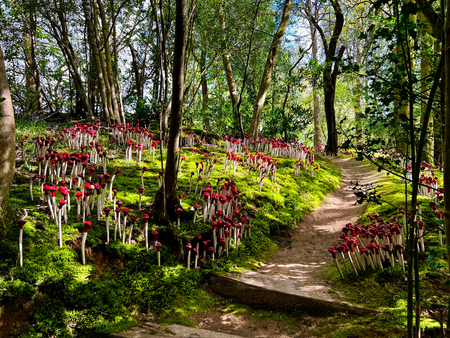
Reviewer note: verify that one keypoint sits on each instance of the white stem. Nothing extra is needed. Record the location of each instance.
(83, 242)
(351, 262)
(115, 227)
(131, 231)
(189, 260)
(124, 228)
(159, 258)
(402, 262)
(107, 229)
(338, 267)
(31, 189)
(60, 228)
(65, 213)
(422, 243)
(146, 236)
(50, 207)
(20, 246)
(369, 258)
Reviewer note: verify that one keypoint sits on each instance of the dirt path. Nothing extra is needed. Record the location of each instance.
(303, 259)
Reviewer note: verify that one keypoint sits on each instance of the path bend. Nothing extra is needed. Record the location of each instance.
(307, 254)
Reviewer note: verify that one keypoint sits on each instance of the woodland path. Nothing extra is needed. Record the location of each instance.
(307, 253)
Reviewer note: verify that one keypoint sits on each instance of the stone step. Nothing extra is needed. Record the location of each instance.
(152, 330)
(255, 288)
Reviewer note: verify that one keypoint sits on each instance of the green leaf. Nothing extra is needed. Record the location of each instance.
(433, 253)
(447, 282)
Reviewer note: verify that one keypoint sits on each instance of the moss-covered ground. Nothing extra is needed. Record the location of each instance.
(53, 294)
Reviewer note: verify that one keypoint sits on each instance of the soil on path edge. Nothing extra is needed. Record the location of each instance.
(304, 258)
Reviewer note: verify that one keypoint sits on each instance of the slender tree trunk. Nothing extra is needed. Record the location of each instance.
(437, 120)
(427, 153)
(116, 66)
(204, 90)
(7, 139)
(111, 83)
(163, 75)
(105, 60)
(137, 76)
(98, 60)
(32, 73)
(447, 133)
(316, 98)
(358, 92)
(234, 96)
(330, 73)
(270, 63)
(170, 177)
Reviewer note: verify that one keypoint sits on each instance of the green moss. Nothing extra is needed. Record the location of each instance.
(118, 278)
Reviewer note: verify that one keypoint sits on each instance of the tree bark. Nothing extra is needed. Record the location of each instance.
(428, 152)
(268, 69)
(204, 90)
(93, 41)
(137, 74)
(116, 66)
(7, 140)
(163, 69)
(109, 66)
(32, 73)
(316, 99)
(234, 96)
(358, 92)
(447, 132)
(170, 177)
(330, 73)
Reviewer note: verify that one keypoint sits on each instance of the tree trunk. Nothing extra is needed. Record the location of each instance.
(447, 133)
(163, 69)
(170, 177)
(268, 69)
(109, 66)
(31, 73)
(137, 76)
(358, 92)
(93, 41)
(116, 66)
(234, 96)
(204, 90)
(330, 72)
(316, 99)
(438, 133)
(427, 153)
(7, 140)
